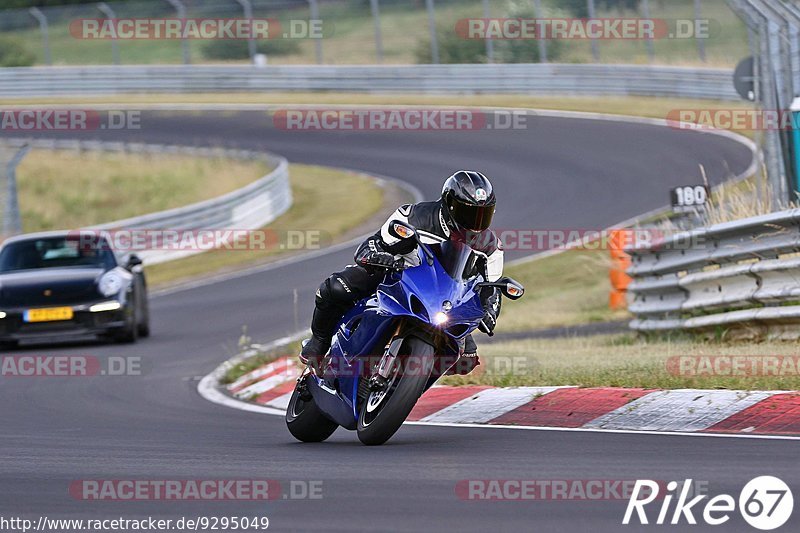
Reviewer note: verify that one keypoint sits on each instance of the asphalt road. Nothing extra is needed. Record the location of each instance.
(559, 173)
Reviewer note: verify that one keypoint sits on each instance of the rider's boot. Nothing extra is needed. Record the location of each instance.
(323, 325)
(468, 359)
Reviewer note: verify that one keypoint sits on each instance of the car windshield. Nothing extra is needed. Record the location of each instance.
(55, 252)
(457, 259)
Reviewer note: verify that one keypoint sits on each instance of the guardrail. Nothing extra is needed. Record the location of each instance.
(250, 207)
(745, 272)
(550, 78)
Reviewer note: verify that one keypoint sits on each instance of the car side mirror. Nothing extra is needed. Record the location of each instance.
(133, 261)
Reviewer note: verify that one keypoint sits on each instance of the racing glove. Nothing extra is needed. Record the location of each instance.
(381, 259)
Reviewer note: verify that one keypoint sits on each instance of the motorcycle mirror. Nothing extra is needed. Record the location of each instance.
(399, 230)
(512, 290)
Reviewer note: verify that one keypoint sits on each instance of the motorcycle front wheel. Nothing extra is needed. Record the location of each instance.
(383, 412)
(305, 421)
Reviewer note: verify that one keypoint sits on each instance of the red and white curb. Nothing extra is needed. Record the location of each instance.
(684, 411)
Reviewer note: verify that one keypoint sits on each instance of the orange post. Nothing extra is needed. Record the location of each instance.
(618, 239)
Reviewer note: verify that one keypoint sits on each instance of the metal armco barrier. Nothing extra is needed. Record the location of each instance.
(738, 273)
(561, 79)
(251, 207)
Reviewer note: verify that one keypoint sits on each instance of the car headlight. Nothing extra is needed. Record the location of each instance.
(110, 283)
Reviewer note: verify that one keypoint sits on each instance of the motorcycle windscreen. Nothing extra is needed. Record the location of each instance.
(457, 259)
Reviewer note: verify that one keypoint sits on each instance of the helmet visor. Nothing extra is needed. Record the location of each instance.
(472, 217)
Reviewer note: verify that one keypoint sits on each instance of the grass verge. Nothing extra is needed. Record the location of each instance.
(627, 361)
(65, 189)
(258, 360)
(565, 289)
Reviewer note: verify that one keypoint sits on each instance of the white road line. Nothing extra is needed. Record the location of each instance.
(281, 402)
(612, 431)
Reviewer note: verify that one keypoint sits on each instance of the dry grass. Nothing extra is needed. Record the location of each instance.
(66, 189)
(564, 289)
(620, 361)
(748, 198)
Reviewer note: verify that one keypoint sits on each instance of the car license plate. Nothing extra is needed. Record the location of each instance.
(49, 314)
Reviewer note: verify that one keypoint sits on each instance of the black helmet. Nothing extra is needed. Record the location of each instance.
(468, 198)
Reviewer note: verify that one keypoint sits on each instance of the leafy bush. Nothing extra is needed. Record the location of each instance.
(229, 49)
(452, 48)
(14, 54)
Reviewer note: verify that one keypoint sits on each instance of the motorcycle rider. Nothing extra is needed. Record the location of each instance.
(464, 212)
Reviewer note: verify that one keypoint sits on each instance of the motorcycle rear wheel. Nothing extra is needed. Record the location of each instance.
(305, 421)
(382, 413)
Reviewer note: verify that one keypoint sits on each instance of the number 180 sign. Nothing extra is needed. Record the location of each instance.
(689, 198)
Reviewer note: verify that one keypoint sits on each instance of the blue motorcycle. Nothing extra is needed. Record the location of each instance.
(392, 347)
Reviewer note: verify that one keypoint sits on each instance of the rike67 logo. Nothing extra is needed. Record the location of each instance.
(765, 503)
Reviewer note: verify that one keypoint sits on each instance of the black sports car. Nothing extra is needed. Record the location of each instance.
(55, 284)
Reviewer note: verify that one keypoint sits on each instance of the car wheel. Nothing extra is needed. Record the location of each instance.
(144, 307)
(130, 332)
(143, 329)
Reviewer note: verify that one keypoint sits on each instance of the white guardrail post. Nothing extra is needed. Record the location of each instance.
(248, 208)
(741, 273)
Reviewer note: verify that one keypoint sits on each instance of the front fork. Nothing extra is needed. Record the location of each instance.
(379, 377)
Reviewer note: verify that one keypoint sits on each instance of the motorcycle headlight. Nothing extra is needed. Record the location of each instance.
(110, 283)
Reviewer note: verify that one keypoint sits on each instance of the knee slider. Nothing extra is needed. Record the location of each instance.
(334, 292)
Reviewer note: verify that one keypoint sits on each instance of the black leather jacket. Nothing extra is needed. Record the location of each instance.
(432, 225)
